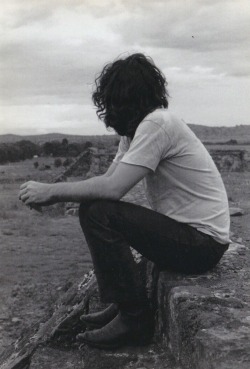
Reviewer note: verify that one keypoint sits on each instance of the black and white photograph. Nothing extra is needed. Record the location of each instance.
(124, 184)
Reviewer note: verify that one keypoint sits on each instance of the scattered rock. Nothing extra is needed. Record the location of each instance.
(16, 320)
(239, 240)
(73, 211)
(235, 212)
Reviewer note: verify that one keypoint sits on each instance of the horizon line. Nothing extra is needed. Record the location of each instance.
(110, 133)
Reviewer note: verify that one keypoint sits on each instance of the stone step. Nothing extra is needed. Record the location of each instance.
(153, 356)
(205, 319)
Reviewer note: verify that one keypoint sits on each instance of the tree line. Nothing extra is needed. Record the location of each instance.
(21, 150)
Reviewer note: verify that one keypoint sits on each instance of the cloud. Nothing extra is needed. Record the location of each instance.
(188, 24)
(213, 31)
(55, 59)
(44, 71)
(52, 50)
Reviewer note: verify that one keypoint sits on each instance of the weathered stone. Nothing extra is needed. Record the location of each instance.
(223, 347)
(51, 358)
(203, 319)
(235, 212)
(192, 313)
(154, 356)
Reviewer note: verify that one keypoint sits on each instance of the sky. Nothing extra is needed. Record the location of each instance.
(52, 50)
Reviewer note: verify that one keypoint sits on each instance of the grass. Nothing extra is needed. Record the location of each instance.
(238, 188)
(39, 253)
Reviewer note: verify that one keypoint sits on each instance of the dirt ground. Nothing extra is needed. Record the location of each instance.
(42, 254)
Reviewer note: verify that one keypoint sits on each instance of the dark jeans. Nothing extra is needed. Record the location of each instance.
(111, 227)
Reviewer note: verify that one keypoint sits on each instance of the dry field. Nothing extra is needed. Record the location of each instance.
(238, 189)
(42, 254)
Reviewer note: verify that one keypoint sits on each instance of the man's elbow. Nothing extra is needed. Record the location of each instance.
(114, 192)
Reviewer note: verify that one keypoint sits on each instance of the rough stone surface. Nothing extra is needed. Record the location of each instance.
(203, 319)
(154, 356)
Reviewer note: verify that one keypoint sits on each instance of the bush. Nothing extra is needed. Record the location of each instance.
(67, 162)
(57, 162)
(21, 150)
(87, 145)
(232, 142)
(36, 164)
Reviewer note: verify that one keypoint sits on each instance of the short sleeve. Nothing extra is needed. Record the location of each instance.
(122, 149)
(149, 146)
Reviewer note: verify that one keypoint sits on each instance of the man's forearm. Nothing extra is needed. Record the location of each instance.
(90, 189)
(112, 186)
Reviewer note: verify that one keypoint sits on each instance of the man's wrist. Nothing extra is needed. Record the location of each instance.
(53, 193)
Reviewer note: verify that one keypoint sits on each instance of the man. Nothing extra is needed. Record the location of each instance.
(187, 229)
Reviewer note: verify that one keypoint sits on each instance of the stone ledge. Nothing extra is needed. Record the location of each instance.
(152, 356)
(205, 319)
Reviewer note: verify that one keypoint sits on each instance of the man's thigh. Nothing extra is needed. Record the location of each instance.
(170, 244)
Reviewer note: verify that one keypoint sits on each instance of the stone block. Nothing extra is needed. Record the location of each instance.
(205, 319)
(235, 212)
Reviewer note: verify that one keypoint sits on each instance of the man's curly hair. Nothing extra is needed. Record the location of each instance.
(127, 90)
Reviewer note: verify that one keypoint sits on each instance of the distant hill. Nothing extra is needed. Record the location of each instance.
(240, 133)
(221, 134)
(40, 139)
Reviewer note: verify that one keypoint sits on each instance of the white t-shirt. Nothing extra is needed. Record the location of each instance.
(184, 183)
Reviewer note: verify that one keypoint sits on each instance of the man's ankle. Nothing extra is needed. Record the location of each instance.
(135, 308)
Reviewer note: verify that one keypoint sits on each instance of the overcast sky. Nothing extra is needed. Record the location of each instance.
(51, 51)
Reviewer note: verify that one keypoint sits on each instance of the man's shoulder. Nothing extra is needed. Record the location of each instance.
(156, 119)
(163, 120)
(159, 116)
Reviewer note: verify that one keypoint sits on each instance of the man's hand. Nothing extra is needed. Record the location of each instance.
(35, 193)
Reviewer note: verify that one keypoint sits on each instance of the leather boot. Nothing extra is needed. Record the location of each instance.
(100, 319)
(133, 328)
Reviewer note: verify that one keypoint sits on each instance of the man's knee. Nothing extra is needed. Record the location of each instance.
(94, 209)
(83, 208)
